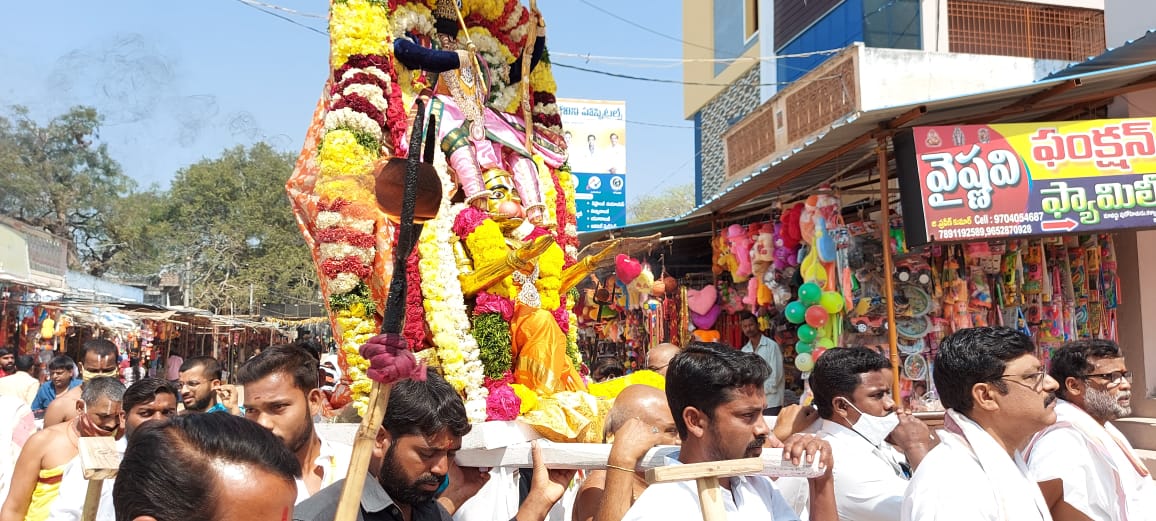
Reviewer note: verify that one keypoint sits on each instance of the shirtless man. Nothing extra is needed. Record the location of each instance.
(40, 468)
(97, 359)
(639, 420)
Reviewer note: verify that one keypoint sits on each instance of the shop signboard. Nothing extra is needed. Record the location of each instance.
(969, 182)
(595, 133)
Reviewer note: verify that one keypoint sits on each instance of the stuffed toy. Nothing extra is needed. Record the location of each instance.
(740, 244)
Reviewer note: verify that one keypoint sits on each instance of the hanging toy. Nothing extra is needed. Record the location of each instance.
(740, 245)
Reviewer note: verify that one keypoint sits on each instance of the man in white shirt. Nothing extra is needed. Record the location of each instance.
(146, 400)
(716, 397)
(852, 388)
(281, 394)
(998, 396)
(769, 351)
(1084, 465)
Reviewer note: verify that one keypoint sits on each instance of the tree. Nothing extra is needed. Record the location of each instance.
(226, 225)
(59, 178)
(670, 202)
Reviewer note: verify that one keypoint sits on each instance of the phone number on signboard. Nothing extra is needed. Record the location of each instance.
(985, 231)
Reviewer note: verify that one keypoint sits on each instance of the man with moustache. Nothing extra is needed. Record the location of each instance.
(717, 400)
(146, 400)
(97, 359)
(1084, 465)
(47, 454)
(998, 396)
(7, 362)
(639, 420)
(200, 386)
(413, 455)
(281, 394)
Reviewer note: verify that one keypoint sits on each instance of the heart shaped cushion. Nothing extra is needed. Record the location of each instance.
(701, 300)
(627, 268)
(706, 320)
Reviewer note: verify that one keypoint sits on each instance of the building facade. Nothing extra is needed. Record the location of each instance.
(740, 53)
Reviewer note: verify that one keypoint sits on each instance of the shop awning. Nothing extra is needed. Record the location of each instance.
(850, 142)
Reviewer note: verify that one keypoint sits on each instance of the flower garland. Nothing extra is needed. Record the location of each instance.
(445, 309)
(415, 19)
(348, 224)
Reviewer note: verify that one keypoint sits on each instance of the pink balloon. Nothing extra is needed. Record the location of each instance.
(817, 316)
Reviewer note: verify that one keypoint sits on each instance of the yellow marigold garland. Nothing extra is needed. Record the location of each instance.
(358, 27)
(342, 155)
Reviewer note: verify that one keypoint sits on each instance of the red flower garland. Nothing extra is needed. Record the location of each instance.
(332, 267)
(335, 206)
(360, 78)
(346, 235)
(414, 330)
(358, 103)
(362, 61)
(487, 302)
(467, 221)
(503, 403)
(396, 117)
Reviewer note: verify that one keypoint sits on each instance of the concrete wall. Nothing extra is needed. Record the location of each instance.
(717, 116)
(698, 29)
(893, 77)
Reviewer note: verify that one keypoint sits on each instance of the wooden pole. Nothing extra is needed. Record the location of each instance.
(888, 264)
(91, 500)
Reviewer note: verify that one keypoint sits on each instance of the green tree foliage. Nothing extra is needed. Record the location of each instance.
(227, 223)
(58, 177)
(669, 202)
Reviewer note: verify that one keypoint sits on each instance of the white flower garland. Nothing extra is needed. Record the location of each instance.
(445, 308)
(353, 120)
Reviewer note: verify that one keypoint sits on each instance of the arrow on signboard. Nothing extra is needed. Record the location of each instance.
(1065, 225)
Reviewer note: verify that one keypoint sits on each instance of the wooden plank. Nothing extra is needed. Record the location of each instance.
(593, 456)
(99, 457)
(708, 469)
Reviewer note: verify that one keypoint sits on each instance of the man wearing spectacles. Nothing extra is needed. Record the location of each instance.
(998, 396)
(659, 357)
(1085, 467)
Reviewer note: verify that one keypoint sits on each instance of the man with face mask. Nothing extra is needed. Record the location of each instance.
(97, 359)
(1085, 467)
(146, 400)
(852, 388)
(413, 457)
(48, 453)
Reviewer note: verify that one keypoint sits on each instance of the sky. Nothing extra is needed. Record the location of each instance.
(182, 81)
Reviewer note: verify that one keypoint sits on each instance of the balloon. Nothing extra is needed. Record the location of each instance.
(807, 333)
(825, 343)
(810, 293)
(818, 352)
(826, 246)
(796, 312)
(804, 362)
(817, 316)
(803, 347)
(831, 301)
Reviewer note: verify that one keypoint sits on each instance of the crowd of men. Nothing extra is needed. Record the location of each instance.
(1018, 442)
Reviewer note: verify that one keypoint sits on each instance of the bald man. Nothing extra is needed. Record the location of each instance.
(639, 420)
(659, 357)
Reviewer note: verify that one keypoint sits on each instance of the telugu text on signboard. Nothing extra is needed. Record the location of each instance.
(1008, 180)
(595, 133)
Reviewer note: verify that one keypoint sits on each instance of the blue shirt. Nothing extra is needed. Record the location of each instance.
(47, 393)
(217, 408)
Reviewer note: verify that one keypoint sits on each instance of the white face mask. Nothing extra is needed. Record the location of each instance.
(874, 429)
